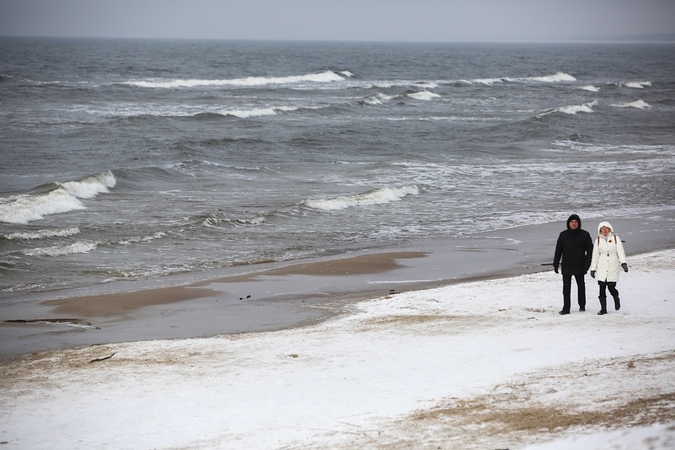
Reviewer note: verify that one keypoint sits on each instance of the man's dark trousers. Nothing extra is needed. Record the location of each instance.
(567, 290)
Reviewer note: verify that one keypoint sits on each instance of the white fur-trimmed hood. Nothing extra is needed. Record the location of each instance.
(606, 224)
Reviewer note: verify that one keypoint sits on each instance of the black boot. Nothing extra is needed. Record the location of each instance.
(617, 302)
(603, 306)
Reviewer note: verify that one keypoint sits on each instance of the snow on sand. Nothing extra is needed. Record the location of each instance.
(482, 365)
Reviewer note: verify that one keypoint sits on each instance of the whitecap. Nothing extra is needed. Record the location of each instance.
(590, 88)
(374, 197)
(426, 85)
(256, 112)
(485, 81)
(322, 77)
(377, 99)
(60, 250)
(556, 78)
(423, 95)
(43, 234)
(90, 186)
(638, 104)
(24, 208)
(572, 109)
(158, 235)
(636, 84)
(214, 221)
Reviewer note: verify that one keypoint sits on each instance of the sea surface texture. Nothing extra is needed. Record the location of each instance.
(133, 160)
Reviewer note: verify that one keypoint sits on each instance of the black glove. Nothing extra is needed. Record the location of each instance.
(625, 267)
(555, 269)
(592, 273)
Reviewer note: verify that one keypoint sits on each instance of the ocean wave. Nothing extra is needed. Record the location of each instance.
(555, 78)
(423, 95)
(571, 109)
(215, 220)
(485, 81)
(134, 240)
(638, 104)
(256, 112)
(91, 186)
(426, 84)
(322, 77)
(43, 234)
(636, 84)
(60, 250)
(589, 88)
(61, 198)
(377, 99)
(374, 197)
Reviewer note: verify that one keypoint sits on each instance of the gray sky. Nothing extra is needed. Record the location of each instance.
(356, 20)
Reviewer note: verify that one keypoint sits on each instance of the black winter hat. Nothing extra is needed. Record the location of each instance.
(571, 218)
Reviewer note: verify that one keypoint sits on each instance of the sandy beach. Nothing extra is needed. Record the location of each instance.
(391, 356)
(275, 296)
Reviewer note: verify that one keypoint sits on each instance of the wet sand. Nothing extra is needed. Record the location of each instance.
(274, 296)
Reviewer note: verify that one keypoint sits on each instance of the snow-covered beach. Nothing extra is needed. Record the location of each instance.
(485, 364)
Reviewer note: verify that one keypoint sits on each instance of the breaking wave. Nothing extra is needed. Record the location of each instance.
(60, 250)
(572, 109)
(60, 198)
(636, 84)
(322, 77)
(256, 112)
(374, 197)
(423, 95)
(638, 104)
(555, 78)
(377, 99)
(43, 234)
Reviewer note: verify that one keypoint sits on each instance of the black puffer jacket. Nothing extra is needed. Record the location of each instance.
(576, 249)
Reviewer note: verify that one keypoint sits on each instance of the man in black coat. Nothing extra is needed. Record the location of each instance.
(575, 246)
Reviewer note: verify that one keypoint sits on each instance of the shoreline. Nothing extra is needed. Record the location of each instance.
(472, 366)
(282, 296)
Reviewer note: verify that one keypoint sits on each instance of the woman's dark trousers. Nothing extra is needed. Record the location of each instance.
(611, 285)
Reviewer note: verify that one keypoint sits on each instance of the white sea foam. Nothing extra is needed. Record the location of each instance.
(638, 104)
(256, 112)
(322, 77)
(485, 81)
(557, 78)
(426, 85)
(374, 197)
(158, 235)
(214, 221)
(43, 234)
(24, 208)
(377, 99)
(90, 186)
(636, 84)
(423, 95)
(572, 109)
(590, 88)
(60, 250)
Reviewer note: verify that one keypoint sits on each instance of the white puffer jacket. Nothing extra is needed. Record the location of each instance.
(608, 255)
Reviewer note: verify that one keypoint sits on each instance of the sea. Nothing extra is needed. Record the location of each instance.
(145, 159)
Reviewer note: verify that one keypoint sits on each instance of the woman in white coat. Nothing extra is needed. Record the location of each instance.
(608, 258)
